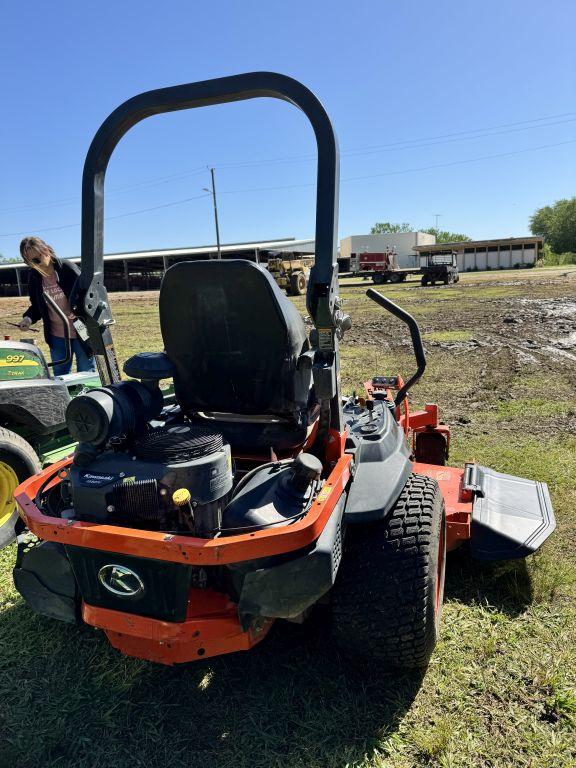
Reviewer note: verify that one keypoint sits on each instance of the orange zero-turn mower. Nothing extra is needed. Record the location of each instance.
(185, 531)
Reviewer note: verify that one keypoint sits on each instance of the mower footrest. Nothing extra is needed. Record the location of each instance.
(511, 516)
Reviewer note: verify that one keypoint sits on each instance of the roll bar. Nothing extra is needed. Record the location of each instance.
(93, 302)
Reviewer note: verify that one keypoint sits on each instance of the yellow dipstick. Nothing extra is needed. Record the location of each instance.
(181, 497)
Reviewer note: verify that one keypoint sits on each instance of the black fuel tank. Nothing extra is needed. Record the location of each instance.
(272, 496)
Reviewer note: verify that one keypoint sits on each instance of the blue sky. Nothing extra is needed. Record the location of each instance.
(462, 109)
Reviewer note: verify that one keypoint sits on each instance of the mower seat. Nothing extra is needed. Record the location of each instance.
(240, 352)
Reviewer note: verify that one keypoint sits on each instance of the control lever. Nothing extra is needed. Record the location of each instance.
(407, 318)
(370, 407)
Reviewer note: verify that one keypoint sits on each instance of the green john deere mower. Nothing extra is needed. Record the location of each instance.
(33, 432)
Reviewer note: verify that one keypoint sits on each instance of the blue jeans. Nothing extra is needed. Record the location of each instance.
(58, 352)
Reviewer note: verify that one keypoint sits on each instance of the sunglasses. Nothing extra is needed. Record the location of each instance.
(34, 260)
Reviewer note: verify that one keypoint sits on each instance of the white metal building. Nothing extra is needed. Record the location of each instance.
(403, 242)
(143, 270)
(505, 253)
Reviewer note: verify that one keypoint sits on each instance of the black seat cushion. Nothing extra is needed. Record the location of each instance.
(235, 341)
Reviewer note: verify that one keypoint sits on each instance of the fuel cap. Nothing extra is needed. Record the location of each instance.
(307, 468)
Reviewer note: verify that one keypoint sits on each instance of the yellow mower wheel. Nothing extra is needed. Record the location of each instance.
(8, 482)
(18, 460)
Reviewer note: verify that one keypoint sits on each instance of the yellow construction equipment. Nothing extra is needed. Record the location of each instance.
(290, 272)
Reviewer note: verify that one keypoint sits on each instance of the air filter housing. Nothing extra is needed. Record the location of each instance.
(114, 412)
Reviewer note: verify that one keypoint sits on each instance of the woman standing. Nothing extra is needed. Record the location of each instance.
(57, 278)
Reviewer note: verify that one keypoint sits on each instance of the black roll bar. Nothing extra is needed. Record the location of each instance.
(407, 318)
(93, 303)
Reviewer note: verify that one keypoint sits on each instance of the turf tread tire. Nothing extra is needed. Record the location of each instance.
(23, 459)
(383, 602)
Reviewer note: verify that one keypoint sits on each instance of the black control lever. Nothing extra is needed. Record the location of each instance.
(407, 318)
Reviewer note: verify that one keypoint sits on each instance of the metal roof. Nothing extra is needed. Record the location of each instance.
(460, 245)
(286, 244)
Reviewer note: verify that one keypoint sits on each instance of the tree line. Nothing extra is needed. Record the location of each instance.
(557, 224)
(442, 235)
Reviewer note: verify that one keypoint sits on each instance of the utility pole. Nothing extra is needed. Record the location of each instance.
(437, 216)
(213, 190)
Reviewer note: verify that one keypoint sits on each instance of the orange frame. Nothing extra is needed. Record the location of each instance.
(188, 549)
(212, 626)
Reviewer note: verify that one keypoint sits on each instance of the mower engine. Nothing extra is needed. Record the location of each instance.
(139, 467)
(169, 476)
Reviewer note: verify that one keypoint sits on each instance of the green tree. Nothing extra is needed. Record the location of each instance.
(557, 223)
(443, 236)
(385, 228)
(541, 220)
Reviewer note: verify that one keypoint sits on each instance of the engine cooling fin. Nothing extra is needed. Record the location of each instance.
(178, 443)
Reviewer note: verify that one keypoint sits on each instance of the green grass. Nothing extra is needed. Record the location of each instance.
(449, 336)
(536, 406)
(501, 686)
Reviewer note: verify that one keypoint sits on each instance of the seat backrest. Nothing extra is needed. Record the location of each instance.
(235, 340)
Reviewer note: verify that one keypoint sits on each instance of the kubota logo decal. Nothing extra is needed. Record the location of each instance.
(120, 580)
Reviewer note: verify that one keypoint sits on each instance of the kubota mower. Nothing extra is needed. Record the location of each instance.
(185, 531)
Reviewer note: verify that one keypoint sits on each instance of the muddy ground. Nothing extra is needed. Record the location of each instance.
(487, 340)
(493, 338)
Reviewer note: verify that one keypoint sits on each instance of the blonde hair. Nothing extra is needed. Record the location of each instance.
(34, 246)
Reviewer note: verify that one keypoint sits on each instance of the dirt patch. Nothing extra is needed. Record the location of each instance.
(477, 342)
(537, 331)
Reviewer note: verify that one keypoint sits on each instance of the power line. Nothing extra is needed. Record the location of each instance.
(397, 146)
(405, 170)
(109, 218)
(404, 144)
(129, 187)
(376, 149)
(312, 184)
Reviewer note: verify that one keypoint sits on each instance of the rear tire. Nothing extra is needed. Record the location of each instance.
(18, 461)
(298, 284)
(387, 600)
(395, 278)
